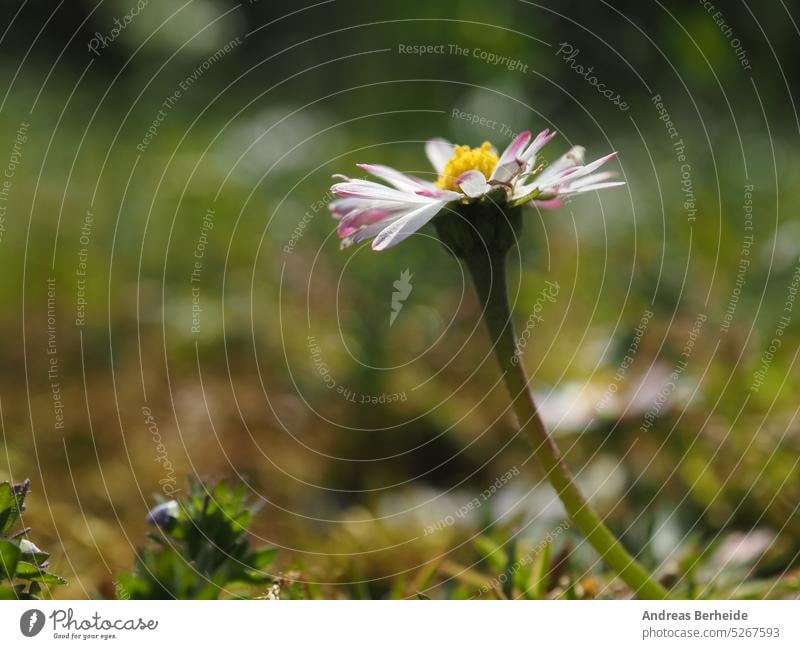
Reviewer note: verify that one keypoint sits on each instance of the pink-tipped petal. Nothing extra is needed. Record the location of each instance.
(342, 207)
(550, 204)
(368, 232)
(513, 150)
(405, 226)
(510, 164)
(562, 178)
(375, 191)
(537, 145)
(359, 218)
(571, 159)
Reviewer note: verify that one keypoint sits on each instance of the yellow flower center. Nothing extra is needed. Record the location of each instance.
(464, 159)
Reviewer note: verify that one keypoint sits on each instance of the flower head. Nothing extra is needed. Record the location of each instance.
(483, 159)
(391, 211)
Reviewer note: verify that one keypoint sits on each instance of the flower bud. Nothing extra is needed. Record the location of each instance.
(163, 514)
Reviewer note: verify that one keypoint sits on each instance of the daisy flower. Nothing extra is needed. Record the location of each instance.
(391, 211)
(478, 196)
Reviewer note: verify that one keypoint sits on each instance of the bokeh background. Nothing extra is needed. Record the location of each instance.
(175, 303)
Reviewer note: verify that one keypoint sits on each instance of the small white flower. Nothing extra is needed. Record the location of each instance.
(28, 547)
(389, 213)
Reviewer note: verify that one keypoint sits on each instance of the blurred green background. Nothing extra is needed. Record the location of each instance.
(202, 136)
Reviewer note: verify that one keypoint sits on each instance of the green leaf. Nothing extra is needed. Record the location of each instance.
(7, 498)
(7, 592)
(254, 577)
(9, 556)
(510, 568)
(492, 552)
(204, 551)
(262, 558)
(32, 572)
(34, 557)
(9, 507)
(522, 576)
(540, 575)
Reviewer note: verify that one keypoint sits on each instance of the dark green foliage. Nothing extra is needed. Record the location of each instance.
(22, 564)
(201, 550)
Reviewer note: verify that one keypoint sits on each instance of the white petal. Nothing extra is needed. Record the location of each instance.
(405, 226)
(523, 193)
(343, 206)
(375, 191)
(572, 158)
(441, 194)
(591, 179)
(396, 178)
(28, 547)
(592, 187)
(510, 164)
(503, 173)
(473, 183)
(542, 183)
(369, 231)
(439, 152)
(592, 166)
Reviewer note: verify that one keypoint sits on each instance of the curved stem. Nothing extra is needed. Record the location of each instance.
(489, 277)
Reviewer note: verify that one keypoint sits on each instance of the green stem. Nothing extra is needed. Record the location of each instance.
(489, 277)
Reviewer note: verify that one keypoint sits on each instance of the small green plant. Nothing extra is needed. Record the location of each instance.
(201, 550)
(23, 566)
(511, 568)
